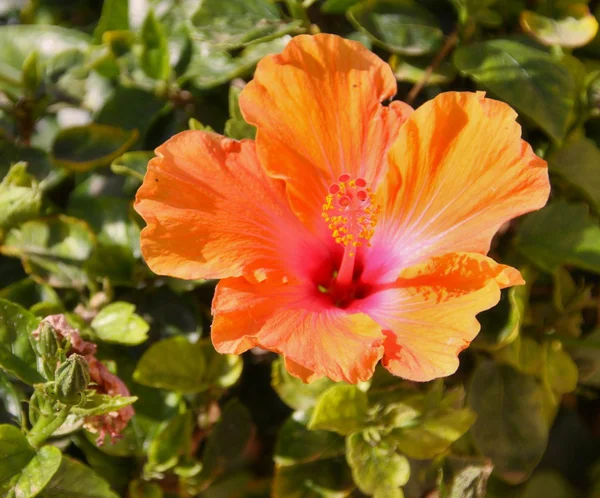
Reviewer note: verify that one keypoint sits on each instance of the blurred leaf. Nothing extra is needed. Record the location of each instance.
(101, 404)
(52, 250)
(16, 354)
(82, 148)
(560, 371)
(337, 6)
(434, 434)
(118, 323)
(413, 70)
(510, 427)
(549, 485)
(341, 408)
(577, 162)
(38, 472)
(75, 480)
(321, 479)
(176, 364)
(297, 444)
(114, 17)
(38, 162)
(132, 164)
(376, 468)
(172, 441)
(237, 23)
(468, 479)
(559, 234)
(525, 77)
(15, 452)
(236, 127)
(20, 197)
(210, 67)
(154, 58)
(400, 26)
(293, 392)
(523, 354)
(142, 489)
(577, 28)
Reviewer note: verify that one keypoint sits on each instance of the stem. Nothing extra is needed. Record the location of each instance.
(440, 56)
(45, 427)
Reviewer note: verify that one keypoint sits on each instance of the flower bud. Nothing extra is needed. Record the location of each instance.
(72, 379)
(47, 341)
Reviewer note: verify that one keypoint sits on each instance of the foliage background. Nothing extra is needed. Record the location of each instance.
(88, 89)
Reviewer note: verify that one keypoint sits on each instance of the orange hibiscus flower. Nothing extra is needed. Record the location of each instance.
(349, 232)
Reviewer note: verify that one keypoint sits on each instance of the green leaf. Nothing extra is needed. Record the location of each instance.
(154, 58)
(172, 441)
(132, 164)
(142, 489)
(469, 477)
(321, 479)
(210, 67)
(376, 467)
(293, 392)
(15, 452)
(82, 148)
(525, 77)
(341, 408)
(337, 6)
(236, 127)
(38, 162)
(75, 480)
(511, 427)
(38, 472)
(297, 444)
(16, 354)
(101, 404)
(19, 41)
(413, 70)
(435, 434)
(523, 354)
(114, 17)
(560, 234)
(118, 323)
(560, 371)
(177, 365)
(20, 197)
(577, 163)
(52, 250)
(576, 29)
(400, 26)
(548, 484)
(237, 23)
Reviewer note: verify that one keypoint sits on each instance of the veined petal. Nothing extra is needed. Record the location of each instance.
(315, 337)
(318, 113)
(429, 312)
(458, 170)
(212, 212)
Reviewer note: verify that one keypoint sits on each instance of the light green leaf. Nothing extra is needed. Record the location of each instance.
(559, 234)
(52, 250)
(74, 480)
(178, 365)
(237, 23)
(341, 409)
(132, 164)
(321, 479)
(511, 427)
(400, 26)
(15, 452)
(560, 371)
(114, 17)
(236, 127)
(413, 70)
(376, 468)
(16, 354)
(101, 404)
(118, 323)
(337, 6)
(38, 472)
(172, 441)
(577, 163)
(523, 354)
(525, 77)
(82, 148)
(297, 444)
(20, 197)
(154, 58)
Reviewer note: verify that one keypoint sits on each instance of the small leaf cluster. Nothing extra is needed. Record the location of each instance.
(89, 89)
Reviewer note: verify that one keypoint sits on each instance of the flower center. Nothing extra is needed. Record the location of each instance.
(351, 214)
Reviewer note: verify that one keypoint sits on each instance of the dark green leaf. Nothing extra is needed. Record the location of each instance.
(400, 26)
(321, 479)
(559, 234)
(154, 58)
(342, 409)
(510, 427)
(527, 78)
(16, 354)
(337, 6)
(82, 148)
(15, 452)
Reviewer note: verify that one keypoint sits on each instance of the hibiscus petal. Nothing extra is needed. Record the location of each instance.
(212, 212)
(429, 312)
(315, 337)
(318, 113)
(458, 171)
